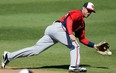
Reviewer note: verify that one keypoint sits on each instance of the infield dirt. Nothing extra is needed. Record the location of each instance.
(14, 70)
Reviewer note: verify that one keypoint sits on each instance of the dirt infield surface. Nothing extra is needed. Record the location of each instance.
(10, 70)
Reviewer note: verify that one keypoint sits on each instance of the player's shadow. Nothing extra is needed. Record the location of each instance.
(55, 66)
(67, 66)
(61, 67)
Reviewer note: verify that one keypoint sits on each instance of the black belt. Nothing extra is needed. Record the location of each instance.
(63, 23)
(57, 21)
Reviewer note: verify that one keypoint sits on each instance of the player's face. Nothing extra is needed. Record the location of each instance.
(86, 12)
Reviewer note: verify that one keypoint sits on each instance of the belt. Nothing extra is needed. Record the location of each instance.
(57, 21)
(63, 23)
(64, 28)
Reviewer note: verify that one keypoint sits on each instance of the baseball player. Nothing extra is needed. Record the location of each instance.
(64, 30)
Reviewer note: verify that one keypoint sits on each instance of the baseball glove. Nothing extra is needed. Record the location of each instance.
(103, 48)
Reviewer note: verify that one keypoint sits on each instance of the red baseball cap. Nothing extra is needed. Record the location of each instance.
(89, 6)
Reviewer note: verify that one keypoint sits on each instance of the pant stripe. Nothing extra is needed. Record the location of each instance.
(76, 53)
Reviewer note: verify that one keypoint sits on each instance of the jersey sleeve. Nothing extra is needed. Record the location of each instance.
(69, 25)
(73, 16)
(81, 35)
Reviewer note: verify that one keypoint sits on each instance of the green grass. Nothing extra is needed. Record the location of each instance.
(22, 24)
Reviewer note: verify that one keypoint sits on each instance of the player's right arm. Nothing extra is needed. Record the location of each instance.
(69, 28)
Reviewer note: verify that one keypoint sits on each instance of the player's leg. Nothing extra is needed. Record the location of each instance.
(74, 52)
(61, 35)
(74, 55)
(44, 43)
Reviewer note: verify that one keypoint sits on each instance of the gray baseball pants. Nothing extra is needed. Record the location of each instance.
(53, 34)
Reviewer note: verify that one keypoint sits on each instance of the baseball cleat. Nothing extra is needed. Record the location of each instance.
(5, 60)
(79, 70)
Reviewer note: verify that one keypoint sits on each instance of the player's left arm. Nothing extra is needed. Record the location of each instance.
(101, 48)
(81, 35)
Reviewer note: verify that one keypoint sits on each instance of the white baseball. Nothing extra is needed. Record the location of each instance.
(24, 71)
(109, 53)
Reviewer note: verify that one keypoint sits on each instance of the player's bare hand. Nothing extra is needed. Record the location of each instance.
(72, 37)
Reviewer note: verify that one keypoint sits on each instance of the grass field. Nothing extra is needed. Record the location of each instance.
(22, 24)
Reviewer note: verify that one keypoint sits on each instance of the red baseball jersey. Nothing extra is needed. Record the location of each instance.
(74, 22)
